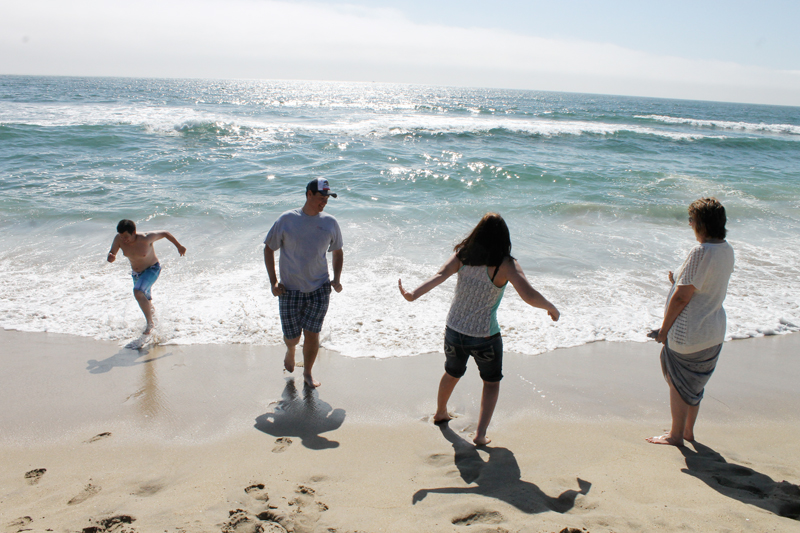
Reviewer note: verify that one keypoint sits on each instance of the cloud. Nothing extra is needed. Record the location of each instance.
(297, 40)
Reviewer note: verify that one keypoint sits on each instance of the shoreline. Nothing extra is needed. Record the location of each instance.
(174, 384)
(181, 437)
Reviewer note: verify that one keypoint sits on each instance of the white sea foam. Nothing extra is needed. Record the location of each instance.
(229, 303)
(184, 119)
(726, 125)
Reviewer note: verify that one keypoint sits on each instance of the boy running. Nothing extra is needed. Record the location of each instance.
(145, 268)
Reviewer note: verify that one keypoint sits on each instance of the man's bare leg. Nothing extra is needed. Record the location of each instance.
(491, 391)
(446, 386)
(680, 414)
(147, 309)
(310, 350)
(288, 359)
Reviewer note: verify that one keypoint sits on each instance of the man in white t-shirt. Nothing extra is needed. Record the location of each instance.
(304, 236)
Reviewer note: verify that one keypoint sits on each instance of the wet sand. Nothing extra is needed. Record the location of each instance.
(218, 438)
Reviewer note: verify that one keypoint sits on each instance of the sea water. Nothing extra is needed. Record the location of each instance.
(595, 190)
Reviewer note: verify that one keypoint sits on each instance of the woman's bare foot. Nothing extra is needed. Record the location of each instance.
(689, 437)
(149, 328)
(288, 360)
(665, 439)
(311, 382)
(481, 441)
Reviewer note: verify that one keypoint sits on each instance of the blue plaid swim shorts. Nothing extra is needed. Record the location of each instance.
(303, 310)
(143, 281)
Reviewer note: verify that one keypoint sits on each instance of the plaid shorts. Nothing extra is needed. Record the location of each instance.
(303, 310)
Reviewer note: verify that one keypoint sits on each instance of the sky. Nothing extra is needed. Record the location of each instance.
(735, 50)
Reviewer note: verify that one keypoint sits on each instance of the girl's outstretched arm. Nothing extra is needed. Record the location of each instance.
(523, 287)
(448, 269)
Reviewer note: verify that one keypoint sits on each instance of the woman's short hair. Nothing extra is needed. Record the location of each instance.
(126, 225)
(709, 217)
(489, 243)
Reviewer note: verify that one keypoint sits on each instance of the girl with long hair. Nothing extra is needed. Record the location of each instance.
(484, 265)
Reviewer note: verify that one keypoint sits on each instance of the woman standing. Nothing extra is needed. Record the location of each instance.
(484, 265)
(694, 320)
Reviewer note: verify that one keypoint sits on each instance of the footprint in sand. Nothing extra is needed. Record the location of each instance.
(112, 523)
(274, 522)
(34, 476)
(99, 436)
(440, 459)
(258, 492)
(302, 489)
(478, 517)
(19, 524)
(88, 491)
(281, 443)
(240, 521)
(307, 509)
(149, 489)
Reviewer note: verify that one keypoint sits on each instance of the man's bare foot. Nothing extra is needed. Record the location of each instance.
(481, 441)
(311, 382)
(148, 329)
(288, 360)
(665, 439)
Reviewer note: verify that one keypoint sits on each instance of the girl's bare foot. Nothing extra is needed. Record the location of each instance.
(665, 439)
(481, 441)
(148, 329)
(440, 419)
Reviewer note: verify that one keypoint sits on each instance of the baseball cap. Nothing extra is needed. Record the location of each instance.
(321, 186)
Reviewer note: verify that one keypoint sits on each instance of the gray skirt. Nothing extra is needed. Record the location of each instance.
(689, 373)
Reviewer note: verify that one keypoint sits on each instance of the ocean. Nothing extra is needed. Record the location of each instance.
(594, 189)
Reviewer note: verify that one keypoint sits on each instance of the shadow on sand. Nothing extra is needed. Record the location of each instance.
(499, 478)
(742, 483)
(125, 357)
(304, 416)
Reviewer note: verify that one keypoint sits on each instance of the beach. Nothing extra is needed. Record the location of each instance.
(202, 431)
(203, 438)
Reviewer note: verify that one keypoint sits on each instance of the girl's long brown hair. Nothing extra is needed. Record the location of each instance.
(488, 244)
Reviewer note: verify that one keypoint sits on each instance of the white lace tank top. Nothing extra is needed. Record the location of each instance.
(474, 308)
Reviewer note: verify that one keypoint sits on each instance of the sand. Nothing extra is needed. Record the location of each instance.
(99, 438)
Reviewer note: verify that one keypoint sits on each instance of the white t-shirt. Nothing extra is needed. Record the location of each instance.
(702, 322)
(303, 241)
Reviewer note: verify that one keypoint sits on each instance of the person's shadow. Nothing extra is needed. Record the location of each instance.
(304, 416)
(125, 357)
(742, 483)
(499, 478)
